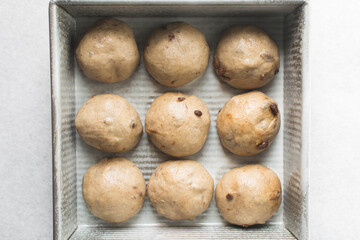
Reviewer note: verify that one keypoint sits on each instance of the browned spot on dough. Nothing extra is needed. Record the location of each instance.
(215, 63)
(134, 187)
(180, 99)
(198, 113)
(225, 77)
(221, 70)
(266, 56)
(140, 194)
(262, 145)
(173, 143)
(171, 36)
(133, 125)
(219, 110)
(149, 131)
(172, 82)
(229, 196)
(274, 109)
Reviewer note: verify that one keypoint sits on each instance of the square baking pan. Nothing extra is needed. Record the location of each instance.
(285, 21)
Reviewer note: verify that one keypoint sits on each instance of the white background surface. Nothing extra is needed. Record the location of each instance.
(25, 120)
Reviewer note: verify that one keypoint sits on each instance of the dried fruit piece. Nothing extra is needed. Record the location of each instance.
(171, 37)
(274, 109)
(198, 113)
(229, 196)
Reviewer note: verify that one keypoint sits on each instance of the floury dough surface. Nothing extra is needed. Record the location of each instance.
(248, 123)
(246, 57)
(114, 189)
(176, 54)
(108, 52)
(180, 189)
(108, 122)
(178, 124)
(248, 195)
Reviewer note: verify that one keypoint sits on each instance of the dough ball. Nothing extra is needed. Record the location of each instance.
(178, 124)
(114, 189)
(108, 52)
(180, 190)
(176, 54)
(248, 123)
(248, 195)
(246, 57)
(109, 123)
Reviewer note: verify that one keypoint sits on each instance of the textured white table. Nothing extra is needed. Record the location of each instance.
(25, 128)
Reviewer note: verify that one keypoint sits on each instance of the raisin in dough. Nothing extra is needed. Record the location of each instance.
(176, 54)
(248, 195)
(248, 123)
(246, 57)
(178, 124)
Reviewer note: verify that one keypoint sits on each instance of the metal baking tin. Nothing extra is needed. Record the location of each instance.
(285, 21)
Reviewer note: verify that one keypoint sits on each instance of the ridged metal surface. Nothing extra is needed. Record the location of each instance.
(140, 90)
(295, 182)
(199, 8)
(205, 232)
(63, 110)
